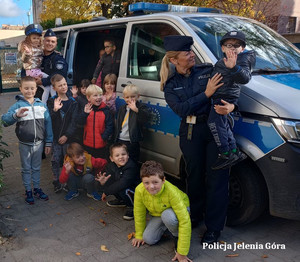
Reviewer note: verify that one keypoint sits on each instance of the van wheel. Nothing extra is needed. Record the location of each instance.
(248, 196)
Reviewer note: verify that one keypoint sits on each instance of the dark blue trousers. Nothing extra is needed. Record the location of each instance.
(207, 189)
(221, 129)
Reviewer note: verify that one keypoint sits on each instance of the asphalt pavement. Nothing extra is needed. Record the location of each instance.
(59, 230)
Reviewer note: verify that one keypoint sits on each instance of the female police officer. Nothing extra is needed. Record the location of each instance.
(187, 91)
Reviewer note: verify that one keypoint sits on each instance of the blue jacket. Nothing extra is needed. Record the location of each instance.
(240, 74)
(185, 95)
(64, 124)
(53, 64)
(35, 126)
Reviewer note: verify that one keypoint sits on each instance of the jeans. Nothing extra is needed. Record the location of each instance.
(158, 225)
(31, 159)
(86, 181)
(58, 154)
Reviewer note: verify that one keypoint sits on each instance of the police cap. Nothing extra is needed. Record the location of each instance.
(234, 35)
(33, 29)
(178, 43)
(49, 32)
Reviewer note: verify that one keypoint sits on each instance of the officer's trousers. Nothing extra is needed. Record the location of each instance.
(207, 189)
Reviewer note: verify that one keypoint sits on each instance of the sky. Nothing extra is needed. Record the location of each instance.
(14, 12)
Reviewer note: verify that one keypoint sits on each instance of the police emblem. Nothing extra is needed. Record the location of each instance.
(59, 66)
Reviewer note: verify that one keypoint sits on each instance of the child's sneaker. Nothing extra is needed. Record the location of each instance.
(128, 214)
(38, 193)
(116, 203)
(94, 196)
(71, 195)
(65, 188)
(29, 198)
(57, 186)
(224, 161)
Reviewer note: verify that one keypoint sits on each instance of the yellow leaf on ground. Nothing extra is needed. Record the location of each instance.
(264, 256)
(91, 208)
(232, 255)
(105, 212)
(25, 229)
(131, 235)
(8, 207)
(58, 213)
(222, 242)
(78, 254)
(104, 248)
(103, 222)
(50, 225)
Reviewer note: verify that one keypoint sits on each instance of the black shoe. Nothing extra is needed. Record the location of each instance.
(57, 186)
(210, 237)
(224, 161)
(241, 156)
(128, 214)
(116, 203)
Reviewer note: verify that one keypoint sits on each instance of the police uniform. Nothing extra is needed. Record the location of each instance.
(53, 64)
(207, 189)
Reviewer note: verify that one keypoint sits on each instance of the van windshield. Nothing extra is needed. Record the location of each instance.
(274, 53)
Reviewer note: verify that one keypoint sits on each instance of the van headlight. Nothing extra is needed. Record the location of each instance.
(290, 130)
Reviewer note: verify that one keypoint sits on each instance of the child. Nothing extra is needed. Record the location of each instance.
(63, 111)
(77, 171)
(80, 94)
(130, 119)
(168, 207)
(33, 129)
(109, 92)
(235, 68)
(122, 178)
(109, 63)
(97, 121)
(31, 51)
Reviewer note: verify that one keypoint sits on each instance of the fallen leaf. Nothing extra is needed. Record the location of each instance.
(130, 235)
(8, 207)
(239, 243)
(103, 222)
(264, 256)
(222, 242)
(78, 254)
(50, 225)
(104, 248)
(91, 208)
(232, 255)
(99, 210)
(25, 229)
(58, 213)
(105, 212)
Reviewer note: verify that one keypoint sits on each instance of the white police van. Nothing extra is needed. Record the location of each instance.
(267, 128)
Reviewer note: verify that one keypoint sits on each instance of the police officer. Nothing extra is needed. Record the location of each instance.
(187, 91)
(53, 62)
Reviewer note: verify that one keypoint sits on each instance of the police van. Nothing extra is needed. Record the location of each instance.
(267, 126)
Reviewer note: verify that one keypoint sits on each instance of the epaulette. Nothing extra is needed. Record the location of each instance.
(204, 65)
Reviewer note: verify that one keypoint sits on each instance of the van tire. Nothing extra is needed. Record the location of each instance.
(248, 196)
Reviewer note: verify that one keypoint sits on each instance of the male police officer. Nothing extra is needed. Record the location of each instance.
(53, 62)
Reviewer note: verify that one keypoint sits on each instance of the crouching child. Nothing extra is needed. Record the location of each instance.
(77, 171)
(168, 207)
(121, 179)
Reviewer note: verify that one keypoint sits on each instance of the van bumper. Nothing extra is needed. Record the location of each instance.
(282, 166)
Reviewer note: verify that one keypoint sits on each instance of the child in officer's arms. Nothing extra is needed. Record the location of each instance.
(121, 179)
(64, 113)
(109, 92)
(235, 69)
(98, 123)
(33, 129)
(78, 170)
(168, 207)
(130, 120)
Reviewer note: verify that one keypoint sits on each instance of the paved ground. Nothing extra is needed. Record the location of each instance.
(56, 230)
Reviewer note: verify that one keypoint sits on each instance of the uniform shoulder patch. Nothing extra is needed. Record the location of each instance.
(59, 66)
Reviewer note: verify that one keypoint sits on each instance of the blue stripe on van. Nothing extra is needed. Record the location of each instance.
(292, 80)
(163, 119)
(262, 134)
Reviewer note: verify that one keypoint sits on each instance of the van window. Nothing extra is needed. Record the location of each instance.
(147, 51)
(61, 41)
(88, 45)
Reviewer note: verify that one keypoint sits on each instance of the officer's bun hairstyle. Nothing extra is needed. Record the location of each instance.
(93, 89)
(117, 145)
(152, 168)
(131, 89)
(56, 78)
(27, 79)
(74, 149)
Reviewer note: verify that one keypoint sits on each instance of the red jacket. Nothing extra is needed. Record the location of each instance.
(98, 126)
(96, 164)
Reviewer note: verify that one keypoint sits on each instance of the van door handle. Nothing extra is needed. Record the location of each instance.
(128, 83)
